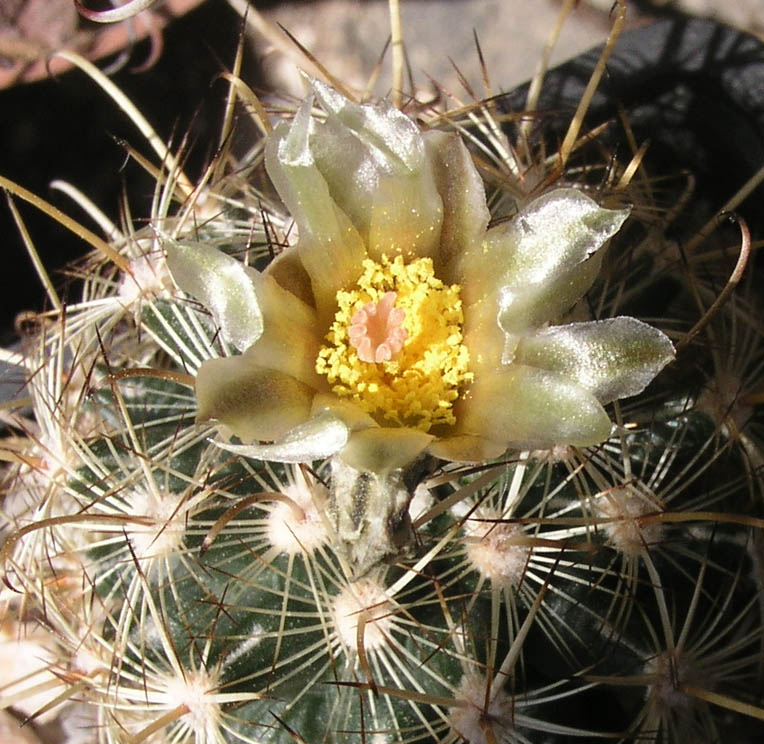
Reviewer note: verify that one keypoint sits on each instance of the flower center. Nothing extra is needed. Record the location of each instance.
(395, 346)
(376, 331)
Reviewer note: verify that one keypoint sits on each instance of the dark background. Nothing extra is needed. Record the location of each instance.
(65, 129)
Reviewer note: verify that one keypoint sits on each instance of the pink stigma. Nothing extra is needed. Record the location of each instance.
(376, 332)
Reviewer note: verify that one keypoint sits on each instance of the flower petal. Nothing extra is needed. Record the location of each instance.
(483, 336)
(523, 307)
(255, 403)
(542, 260)
(466, 448)
(382, 127)
(381, 449)
(288, 271)
(322, 436)
(554, 233)
(225, 286)
(405, 213)
(612, 358)
(527, 407)
(330, 248)
(353, 416)
(374, 162)
(465, 214)
(250, 308)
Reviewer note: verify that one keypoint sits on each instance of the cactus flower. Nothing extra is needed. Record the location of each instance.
(400, 323)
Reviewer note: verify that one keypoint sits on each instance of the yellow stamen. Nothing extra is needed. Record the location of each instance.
(416, 377)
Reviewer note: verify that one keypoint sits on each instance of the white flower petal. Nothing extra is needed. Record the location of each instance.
(465, 214)
(373, 160)
(316, 439)
(225, 286)
(524, 307)
(525, 407)
(613, 358)
(405, 217)
(382, 127)
(342, 409)
(250, 308)
(540, 262)
(330, 248)
(554, 233)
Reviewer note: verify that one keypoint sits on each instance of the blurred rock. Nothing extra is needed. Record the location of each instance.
(747, 15)
(347, 37)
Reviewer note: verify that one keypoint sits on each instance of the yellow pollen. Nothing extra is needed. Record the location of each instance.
(395, 346)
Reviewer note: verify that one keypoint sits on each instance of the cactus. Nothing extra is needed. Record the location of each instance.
(447, 446)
